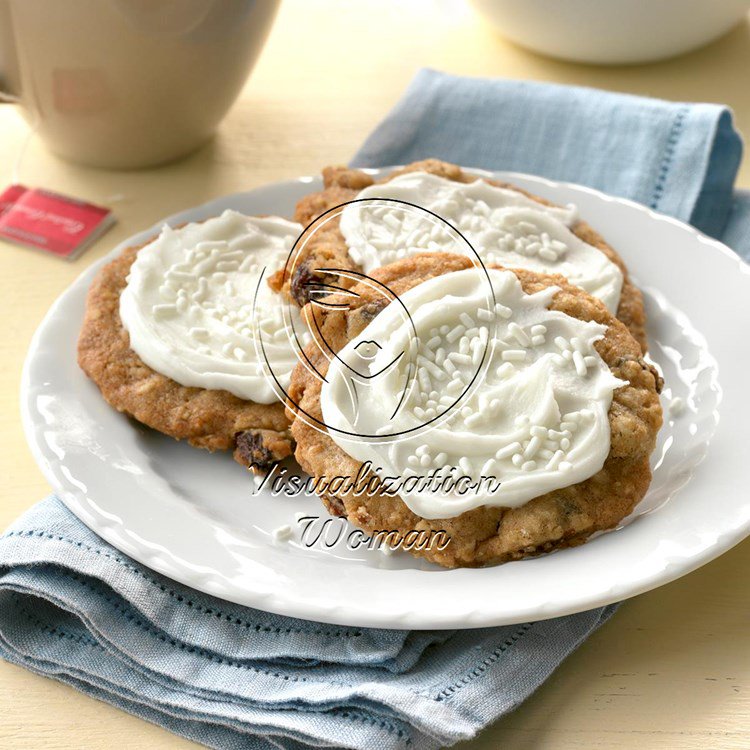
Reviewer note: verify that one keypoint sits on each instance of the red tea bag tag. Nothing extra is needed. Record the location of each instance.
(10, 196)
(49, 221)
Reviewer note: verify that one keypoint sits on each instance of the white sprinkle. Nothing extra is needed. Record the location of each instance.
(455, 333)
(431, 367)
(579, 363)
(508, 451)
(565, 466)
(424, 379)
(441, 459)
(534, 445)
(561, 343)
(537, 340)
(514, 355)
(477, 354)
(391, 220)
(483, 314)
(517, 459)
(465, 465)
(467, 320)
(505, 370)
(565, 444)
(538, 330)
(528, 466)
(455, 386)
(163, 311)
(548, 254)
(461, 359)
(518, 334)
(200, 293)
(179, 275)
(433, 342)
(503, 311)
(554, 462)
(489, 468)
(199, 334)
(676, 406)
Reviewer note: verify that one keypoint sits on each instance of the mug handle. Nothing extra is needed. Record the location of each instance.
(8, 59)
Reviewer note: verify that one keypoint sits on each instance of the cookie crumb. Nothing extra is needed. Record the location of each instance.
(282, 533)
(676, 407)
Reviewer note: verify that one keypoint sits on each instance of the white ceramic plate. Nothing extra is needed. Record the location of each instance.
(192, 516)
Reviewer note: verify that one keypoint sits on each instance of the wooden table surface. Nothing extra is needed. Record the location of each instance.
(672, 668)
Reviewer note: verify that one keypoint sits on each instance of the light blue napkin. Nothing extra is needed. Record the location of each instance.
(74, 608)
(677, 158)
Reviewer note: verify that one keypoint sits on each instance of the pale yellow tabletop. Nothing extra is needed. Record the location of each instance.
(672, 669)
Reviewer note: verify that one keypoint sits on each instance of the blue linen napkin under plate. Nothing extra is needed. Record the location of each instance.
(74, 608)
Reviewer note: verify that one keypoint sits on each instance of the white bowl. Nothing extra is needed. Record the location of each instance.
(612, 31)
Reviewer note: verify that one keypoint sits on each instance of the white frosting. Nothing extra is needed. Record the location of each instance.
(535, 417)
(504, 226)
(188, 304)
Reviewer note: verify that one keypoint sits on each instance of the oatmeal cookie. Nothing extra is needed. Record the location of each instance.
(328, 249)
(489, 535)
(210, 419)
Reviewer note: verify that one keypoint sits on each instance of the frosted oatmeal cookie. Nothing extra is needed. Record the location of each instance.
(530, 381)
(170, 331)
(505, 225)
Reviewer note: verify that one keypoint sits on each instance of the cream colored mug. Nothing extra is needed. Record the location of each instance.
(128, 83)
